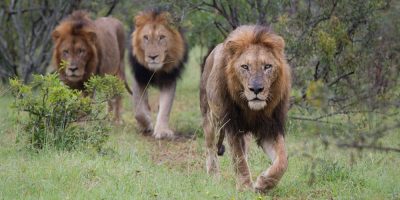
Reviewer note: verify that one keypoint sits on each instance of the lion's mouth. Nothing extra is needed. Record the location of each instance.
(74, 77)
(257, 103)
(256, 99)
(154, 66)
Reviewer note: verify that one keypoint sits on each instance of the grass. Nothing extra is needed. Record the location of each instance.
(137, 167)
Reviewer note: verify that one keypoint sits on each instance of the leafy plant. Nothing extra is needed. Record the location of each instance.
(53, 115)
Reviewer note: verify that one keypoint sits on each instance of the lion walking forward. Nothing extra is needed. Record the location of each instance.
(244, 89)
(90, 48)
(157, 58)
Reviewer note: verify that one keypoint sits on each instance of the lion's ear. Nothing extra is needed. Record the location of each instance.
(168, 18)
(92, 36)
(139, 19)
(276, 42)
(55, 35)
(231, 47)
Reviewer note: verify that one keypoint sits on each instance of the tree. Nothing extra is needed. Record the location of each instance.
(25, 33)
(25, 40)
(344, 53)
(332, 46)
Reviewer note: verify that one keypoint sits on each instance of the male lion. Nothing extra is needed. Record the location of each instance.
(157, 58)
(244, 89)
(89, 48)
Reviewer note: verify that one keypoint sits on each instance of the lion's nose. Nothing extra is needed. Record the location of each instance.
(153, 57)
(73, 68)
(256, 89)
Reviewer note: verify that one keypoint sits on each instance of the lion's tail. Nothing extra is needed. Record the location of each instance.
(128, 88)
(210, 49)
(220, 146)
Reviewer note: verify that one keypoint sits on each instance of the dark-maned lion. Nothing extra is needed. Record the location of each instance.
(158, 55)
(245, 87)
(89, 48)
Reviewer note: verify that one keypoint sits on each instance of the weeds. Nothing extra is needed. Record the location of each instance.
(55, 116)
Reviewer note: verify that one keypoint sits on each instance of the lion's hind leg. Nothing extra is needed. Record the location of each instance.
(212, 164)
(277, 152)
(239, 147)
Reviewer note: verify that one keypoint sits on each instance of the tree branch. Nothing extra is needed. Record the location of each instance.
(113, 5)
(365, 146)
(340, 77)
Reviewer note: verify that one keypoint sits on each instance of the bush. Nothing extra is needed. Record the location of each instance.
(62, 118)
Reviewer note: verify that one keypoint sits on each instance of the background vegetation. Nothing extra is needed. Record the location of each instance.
(57, 117)
(343, 130)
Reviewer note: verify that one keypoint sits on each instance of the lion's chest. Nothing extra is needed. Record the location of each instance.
(241, 121)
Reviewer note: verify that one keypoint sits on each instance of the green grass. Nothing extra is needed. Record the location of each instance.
(137, 167)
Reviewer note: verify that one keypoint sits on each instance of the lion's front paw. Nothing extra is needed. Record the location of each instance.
(257, 188)
(163, 134)
(144, 124)
(263, 184)
(145, 130)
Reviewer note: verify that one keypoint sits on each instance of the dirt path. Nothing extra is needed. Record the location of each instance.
(182, 153)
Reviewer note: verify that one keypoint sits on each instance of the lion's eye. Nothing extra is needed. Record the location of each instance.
(246, 67)
(65, 52)
(267, 66)
(81, 51)
(146, 37)
(162, 37)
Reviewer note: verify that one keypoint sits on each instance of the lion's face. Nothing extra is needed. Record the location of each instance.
(76, 54)
(156, 43)
(155, 39)
(256, 70)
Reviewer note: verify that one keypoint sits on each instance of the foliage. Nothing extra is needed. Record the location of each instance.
(144, 168)
(344, 53)
(63, 118)
(25, 35)
(104, 88)
(344, 62)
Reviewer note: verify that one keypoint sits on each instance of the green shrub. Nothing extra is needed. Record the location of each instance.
(55, 116)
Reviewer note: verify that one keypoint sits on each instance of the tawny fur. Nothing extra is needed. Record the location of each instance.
(158, 53)
(103, 40)
(176, 48)
(226, 109)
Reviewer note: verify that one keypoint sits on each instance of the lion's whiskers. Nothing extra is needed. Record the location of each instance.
(242, 95)
(268, 98)
(169, 61)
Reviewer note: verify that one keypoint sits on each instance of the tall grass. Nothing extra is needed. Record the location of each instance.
(138, 167)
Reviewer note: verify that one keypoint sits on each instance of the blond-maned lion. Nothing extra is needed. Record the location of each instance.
(89, 48)
(244, 89)
(158, 55)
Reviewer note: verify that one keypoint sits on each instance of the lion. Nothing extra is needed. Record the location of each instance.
(90, 48)
(158, 54)
(245, 86)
